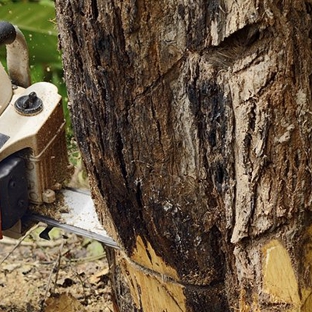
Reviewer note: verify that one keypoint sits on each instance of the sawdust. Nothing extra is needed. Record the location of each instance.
(64, 274)
(52, 210)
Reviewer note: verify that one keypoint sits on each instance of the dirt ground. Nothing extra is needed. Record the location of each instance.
(67, 273)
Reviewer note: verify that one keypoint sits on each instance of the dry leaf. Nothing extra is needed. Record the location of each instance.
(63, 303)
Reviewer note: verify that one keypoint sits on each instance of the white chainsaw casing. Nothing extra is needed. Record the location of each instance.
(39, 138)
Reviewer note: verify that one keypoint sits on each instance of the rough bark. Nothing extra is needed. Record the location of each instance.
(194, 122)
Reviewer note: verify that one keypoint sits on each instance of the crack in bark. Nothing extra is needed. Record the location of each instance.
(119, 148)
(94, 9)
(149, 89)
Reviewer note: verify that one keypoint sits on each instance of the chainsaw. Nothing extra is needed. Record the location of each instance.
(33, 154)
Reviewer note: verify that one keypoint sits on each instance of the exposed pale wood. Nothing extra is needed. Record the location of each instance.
(194, 121)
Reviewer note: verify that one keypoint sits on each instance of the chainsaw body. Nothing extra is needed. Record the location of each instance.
(33, 153)
(38, 139)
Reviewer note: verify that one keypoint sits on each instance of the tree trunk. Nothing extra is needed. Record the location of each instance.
(194, 122)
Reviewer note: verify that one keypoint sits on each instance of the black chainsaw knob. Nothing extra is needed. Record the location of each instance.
(7, 33)
(29, 105)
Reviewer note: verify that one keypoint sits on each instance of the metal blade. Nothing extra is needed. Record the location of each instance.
(80, 219)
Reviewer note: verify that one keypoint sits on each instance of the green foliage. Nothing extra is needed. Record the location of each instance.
(36, 20)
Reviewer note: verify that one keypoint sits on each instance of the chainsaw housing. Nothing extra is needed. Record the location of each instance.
(32, 135)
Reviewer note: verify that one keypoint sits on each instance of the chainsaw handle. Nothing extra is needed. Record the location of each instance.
(17, 54)
(7, 33)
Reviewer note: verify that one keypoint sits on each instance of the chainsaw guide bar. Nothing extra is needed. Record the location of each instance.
(80, 218)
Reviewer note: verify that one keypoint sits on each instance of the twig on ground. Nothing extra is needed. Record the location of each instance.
(55, 269)
(18, 243)
(41, 243)
(82, 282)
(88, 259)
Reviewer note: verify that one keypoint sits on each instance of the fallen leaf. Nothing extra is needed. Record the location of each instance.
(11, 267)
(63, 303)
